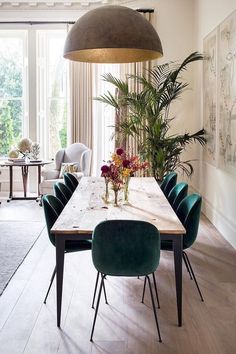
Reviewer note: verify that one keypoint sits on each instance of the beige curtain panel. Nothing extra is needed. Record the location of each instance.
(81, 93)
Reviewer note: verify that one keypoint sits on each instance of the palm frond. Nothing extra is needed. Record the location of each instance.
(108, 99)
(120, 84)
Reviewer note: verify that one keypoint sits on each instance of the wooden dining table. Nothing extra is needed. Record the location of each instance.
(86, 208)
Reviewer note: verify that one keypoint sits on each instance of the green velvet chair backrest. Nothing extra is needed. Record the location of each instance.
(125, 247)
(52, 207)
(62, 192)
(74, 182)
(168, 183)
(177, 194)
(68, 182)
(189, 212)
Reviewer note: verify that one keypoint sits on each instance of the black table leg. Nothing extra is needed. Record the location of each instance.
(11, 182)
(178, 249)
(39, 179)
(60, 252)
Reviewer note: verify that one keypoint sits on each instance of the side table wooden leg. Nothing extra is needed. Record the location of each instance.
(24, 171)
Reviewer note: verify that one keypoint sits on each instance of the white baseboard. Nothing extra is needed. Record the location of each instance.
(223, 224)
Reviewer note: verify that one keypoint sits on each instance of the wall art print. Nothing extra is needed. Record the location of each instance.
(227, 94)
(210, 95)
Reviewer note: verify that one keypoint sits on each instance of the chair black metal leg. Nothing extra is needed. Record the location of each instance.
(104, 290)
(50, 285)
(187, 266)
(95, 289)
(193, 275)
(154, 308)
(144, 287)
(155, 287)
(97, 306)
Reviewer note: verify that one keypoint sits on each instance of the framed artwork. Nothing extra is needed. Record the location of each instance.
(227, 94)
(210, 96)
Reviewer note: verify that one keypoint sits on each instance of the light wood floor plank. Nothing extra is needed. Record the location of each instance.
(125, 326)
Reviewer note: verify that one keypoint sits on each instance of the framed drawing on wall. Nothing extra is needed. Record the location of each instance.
(227, 94)
(210, 95)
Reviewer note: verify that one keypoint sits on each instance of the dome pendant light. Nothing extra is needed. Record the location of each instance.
(112, 34)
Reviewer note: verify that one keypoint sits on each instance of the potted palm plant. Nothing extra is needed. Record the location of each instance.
(144, 115)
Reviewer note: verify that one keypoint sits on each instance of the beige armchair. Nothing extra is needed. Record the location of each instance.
(78, 154)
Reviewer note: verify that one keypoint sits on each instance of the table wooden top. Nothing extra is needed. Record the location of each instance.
(86, 208)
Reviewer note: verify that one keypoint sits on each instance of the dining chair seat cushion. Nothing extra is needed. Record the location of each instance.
(126, 248)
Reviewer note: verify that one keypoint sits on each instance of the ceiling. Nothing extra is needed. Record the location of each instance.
(59, 4)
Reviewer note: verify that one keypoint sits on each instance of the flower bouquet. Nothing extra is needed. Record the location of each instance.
(119, 170)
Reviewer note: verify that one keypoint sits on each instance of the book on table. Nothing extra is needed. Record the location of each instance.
(17, 159)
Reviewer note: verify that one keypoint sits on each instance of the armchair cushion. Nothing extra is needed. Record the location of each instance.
(68, 167)
(50, 174)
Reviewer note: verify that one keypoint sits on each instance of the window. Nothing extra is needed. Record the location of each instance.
(33, 89)
(52, 85)
(13, 108)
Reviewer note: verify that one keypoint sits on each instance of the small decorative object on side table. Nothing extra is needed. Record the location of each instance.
(24, 147)
(34, 152)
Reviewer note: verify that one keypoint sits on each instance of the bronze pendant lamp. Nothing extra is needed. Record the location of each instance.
(112, 34)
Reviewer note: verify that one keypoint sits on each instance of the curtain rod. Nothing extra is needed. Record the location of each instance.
(150, 11)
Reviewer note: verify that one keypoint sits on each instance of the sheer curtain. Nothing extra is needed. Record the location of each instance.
(81, 107)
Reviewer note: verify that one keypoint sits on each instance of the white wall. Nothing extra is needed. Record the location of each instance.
(217, 187)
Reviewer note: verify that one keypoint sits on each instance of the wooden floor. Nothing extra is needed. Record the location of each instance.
(125, 326)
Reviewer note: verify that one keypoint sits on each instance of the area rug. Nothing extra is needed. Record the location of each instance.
(16, 240)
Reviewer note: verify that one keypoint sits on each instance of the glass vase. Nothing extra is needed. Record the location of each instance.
(126, 189)
(116, 192)
(106, 196)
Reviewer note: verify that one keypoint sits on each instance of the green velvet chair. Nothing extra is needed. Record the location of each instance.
(52, 208)
(62, 192)
(70, 181)
(125, 248)
(168, 183)
(177, 194)
(188, 212)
